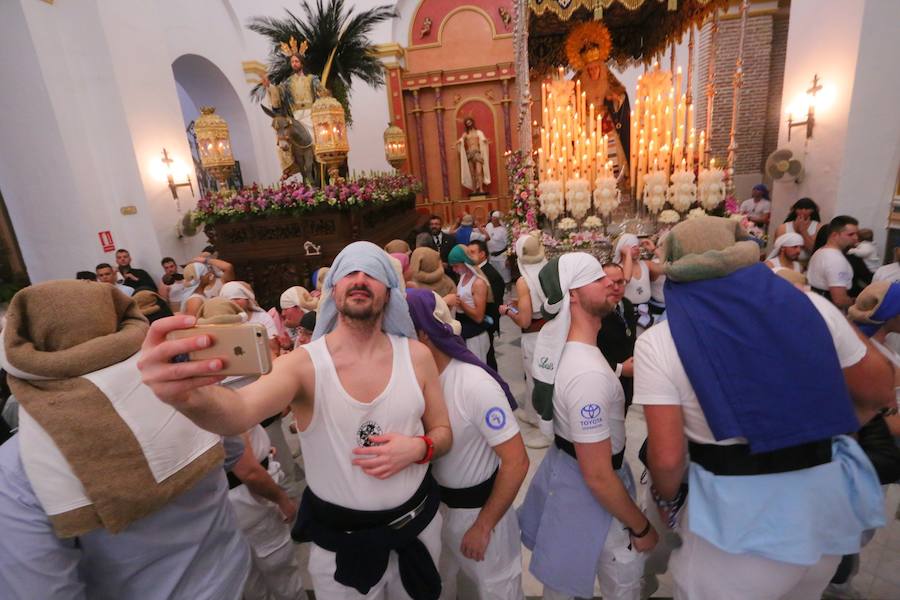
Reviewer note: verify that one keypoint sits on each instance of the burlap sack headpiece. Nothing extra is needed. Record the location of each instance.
(220, 311)
(707, 248)
(427, 271)
(397, 246)
(875, 305)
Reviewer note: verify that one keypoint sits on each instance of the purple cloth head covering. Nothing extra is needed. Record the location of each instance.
(421, 309)
(760, 187)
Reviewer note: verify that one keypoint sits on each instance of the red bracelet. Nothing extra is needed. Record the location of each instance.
(429, 450)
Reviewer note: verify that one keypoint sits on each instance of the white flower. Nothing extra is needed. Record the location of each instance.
(551, 198)
(697, 212)
(736, 217)
(655, 190)
(606, 195)
(682, 193)
(592, 222)
(669, 216)
(711, 187)
(567, 224)
(578, 197)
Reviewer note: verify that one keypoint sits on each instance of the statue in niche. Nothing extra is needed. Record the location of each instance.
(473, 152)
(588, 46)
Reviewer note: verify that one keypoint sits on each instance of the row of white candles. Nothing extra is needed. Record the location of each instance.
(573, 145)
(663, 137)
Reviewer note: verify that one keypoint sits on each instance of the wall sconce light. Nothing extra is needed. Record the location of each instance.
(171, 179)
(810, 110)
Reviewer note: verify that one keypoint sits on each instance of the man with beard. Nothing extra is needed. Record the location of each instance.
(440, 241)
(368, 404)
(786, 253)
(579, 518)
(618, 331)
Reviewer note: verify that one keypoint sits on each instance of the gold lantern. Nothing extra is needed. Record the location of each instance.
(214, 145)
(395, 146)
(329, 133)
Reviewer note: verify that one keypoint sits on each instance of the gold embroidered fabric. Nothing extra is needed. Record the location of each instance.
(564, 8)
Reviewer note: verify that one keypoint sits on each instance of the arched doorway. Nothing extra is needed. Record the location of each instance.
(201, 83)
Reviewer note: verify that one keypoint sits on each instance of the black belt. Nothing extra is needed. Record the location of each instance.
(737, 460)
(470, 497)
(821, 292)
(498, 252)
(569, 448)
(233, 480)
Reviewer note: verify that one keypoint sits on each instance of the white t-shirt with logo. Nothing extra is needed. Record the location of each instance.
(827, 268)
(588, 401)
(480, 418)
(660, 378)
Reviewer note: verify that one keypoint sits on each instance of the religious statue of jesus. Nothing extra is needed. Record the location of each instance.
(297, 92)
(473, 152)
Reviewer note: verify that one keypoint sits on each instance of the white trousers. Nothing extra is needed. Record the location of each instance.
(528, 341)
(619, 568)
(322, 567)
(479, 345)
(274, 570)
(499, 575)
(701, 571)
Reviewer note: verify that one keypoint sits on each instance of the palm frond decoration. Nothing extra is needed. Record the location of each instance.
(323, 27)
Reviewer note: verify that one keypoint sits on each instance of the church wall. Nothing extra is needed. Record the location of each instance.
(872, 149)
(824, 39)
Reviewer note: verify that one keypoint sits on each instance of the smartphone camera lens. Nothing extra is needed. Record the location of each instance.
(258, 334)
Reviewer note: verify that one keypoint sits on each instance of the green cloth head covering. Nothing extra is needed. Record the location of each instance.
(458, 255)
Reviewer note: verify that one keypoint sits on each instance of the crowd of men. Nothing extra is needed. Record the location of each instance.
(136, 473)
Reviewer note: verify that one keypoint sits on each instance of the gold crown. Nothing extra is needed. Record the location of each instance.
(292, 48)
(592, 54)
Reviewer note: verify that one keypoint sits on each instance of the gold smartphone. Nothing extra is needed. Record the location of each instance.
(243, 347)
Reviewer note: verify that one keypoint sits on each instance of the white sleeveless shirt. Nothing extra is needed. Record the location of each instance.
(638, 289)
(464, 290)
(340, 423)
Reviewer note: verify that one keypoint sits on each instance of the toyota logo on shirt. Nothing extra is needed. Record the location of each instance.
(590, 416)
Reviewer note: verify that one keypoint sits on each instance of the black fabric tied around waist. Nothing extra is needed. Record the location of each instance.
(234, 481)
(569, 448)
(470, 497)
(737, 460)
(363, 540)
(824, 293)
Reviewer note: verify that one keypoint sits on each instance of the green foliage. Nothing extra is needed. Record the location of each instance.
(323, 27)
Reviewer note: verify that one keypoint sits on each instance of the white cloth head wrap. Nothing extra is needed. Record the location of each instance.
(238, 289)
(574, 270)
(374, 262)
(530, 272)
(191, 283)
(626, 240)
(785, 240)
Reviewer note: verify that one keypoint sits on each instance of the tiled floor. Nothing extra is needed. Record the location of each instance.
(879, 575)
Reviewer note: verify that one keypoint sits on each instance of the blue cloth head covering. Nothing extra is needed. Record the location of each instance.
(877, 304)
(421, 308)
(374, 262)
(759, 187)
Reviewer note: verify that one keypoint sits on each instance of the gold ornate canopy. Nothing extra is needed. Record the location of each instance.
(640, 29)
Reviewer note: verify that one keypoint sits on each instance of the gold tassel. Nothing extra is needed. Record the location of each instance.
(598, 10)
(673, 5)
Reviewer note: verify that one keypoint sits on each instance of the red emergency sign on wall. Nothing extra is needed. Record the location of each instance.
(106, 241)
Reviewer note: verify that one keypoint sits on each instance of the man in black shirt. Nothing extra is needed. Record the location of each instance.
(133, 278)
(618, 331)
(478, 252)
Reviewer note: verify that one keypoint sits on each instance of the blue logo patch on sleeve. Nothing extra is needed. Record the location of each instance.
(590, 416)
(495, 418)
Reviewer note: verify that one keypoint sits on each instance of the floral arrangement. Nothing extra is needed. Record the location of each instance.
(524, 190)
(578, 197)
(711, 187)
(592, 222)
(606, 195)
(682, 193)
(696, 212)
(293, 199)
(567, 224)
(669, 216)
(655, 188)
(551, 198)
(574, 240)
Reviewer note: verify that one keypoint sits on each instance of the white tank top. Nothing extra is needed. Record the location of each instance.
(464, 290)
(340, 423)
(638, 289)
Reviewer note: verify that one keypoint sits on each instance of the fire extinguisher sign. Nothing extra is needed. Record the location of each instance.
(106, 241)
